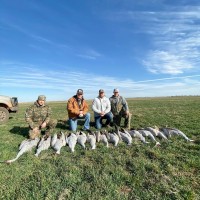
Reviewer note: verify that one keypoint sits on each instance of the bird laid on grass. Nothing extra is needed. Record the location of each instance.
(125, 135)
(58, 141)
(103, 137)
(113, 138)
(44, 144)
(91, 138)
(25, 146)
(146, 133)
(156, 132)
(136, 134)
(71, 140)
(173, 131)
(81, 138)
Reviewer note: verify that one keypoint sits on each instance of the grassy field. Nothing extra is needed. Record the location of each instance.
(171, 171)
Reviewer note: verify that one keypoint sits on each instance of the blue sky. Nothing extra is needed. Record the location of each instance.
(144, 48)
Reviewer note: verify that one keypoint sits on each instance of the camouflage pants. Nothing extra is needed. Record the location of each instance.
(127, 119)
(49, 129)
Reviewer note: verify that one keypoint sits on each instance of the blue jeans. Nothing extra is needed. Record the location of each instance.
(73, 122)
(98, 120)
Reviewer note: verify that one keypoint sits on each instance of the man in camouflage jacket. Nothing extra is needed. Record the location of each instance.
(119, 109)
(38, 117)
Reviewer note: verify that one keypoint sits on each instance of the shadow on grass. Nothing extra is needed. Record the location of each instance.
(62, 124)
(20, 130)
(24, 131)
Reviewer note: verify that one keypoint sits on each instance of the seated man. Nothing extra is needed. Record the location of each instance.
(101, 108)
(38, 117)
(119, 109)
(77, 109)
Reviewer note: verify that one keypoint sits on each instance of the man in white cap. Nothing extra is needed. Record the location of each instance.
(38, 117)
(77, 109)
(119, 109)
(101, 108)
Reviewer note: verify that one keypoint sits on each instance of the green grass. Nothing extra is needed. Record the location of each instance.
(125, 172)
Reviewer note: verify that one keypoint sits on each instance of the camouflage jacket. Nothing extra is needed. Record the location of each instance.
(35, 115)
(118, 105)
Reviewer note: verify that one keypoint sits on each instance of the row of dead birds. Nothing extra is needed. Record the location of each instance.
(114, 136)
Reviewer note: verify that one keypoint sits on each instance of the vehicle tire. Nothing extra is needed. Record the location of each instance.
(4, 115)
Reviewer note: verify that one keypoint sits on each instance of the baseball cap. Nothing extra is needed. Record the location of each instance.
(101, 91)
(42, 98)
(79, 91)
(115, 90)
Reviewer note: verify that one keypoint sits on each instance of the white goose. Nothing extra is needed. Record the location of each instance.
(137, 134)
(25, 146)
(113, 138)
(173, 131)
(146, 133)
(71, 140)
(156, 132)
(58, 141)
(103, 138)
(44, 144)
(126, 137)
(91, 138)
(81, 138)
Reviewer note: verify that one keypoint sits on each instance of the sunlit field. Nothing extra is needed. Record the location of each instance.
(140, 171)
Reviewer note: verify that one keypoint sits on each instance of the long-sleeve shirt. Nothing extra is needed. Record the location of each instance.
(101, 105)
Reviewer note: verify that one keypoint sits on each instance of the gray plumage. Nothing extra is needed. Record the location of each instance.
(91, 138)
(113, 138)
(118, 133)
(71, 140)
(25, 146)
(126, 137)
(81, 138)
(156, 132)
(166, 132)
(44, 144)
(148, 134)
(58, 141)
(137, 134)
(97, 134)
(103, 138)
(173, 131)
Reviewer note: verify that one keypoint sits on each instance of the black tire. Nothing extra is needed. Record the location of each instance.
(4, 115)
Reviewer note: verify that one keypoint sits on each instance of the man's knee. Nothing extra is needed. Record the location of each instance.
(52, 123)
(87, 116)
(33, 134)
(109, 116)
